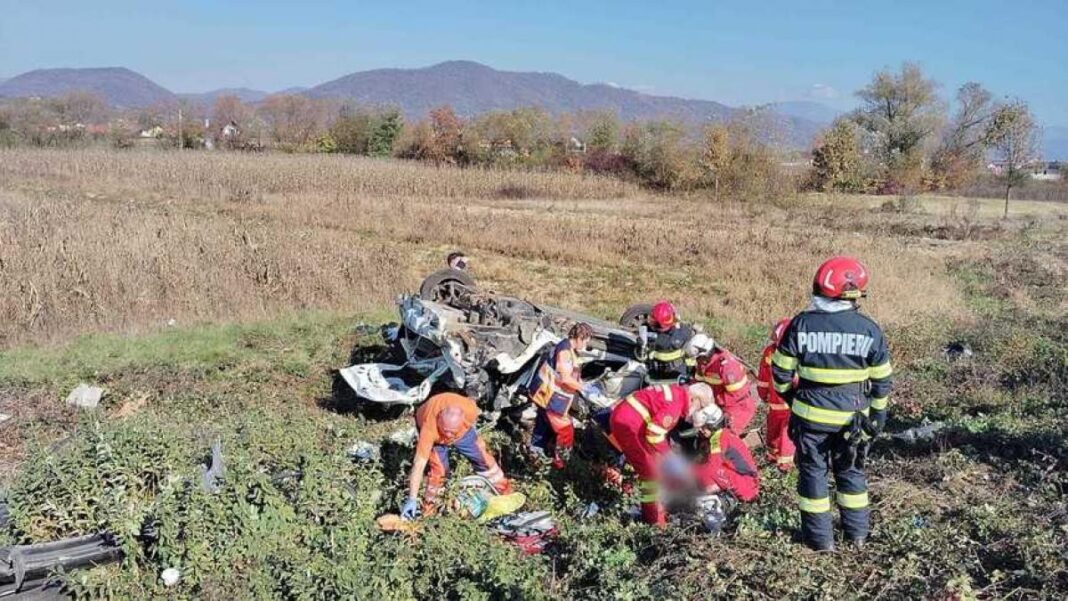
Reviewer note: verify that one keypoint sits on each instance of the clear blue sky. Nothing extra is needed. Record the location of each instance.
(734, 52)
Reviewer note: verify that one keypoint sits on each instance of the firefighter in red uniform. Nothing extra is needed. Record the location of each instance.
(666, 356)
(730, 383)
(780, 447)
(639, 427)
(727, 466)
(445, 421)
(553, 390)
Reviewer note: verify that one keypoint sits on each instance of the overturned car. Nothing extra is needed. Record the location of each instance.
(455, 336)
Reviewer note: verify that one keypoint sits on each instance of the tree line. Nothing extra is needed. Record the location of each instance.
(902, 138)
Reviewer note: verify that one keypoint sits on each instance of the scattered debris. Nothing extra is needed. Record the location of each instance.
(405, 437)
(365, 329)
(955, 351)
(590, 510)
(363, 451)
(170, 576)
(531, 531)
(172, 322)
(85, 396)
(4, 417)
(924, 433)
(26, 568)
(211, 475)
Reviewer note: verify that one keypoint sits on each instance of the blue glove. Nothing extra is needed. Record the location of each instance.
(410, 509)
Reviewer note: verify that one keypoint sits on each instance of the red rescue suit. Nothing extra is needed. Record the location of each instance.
(639, 426)
(731, 387)
(729, 467)
(780, 447)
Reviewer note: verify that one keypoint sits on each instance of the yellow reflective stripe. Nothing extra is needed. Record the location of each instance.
(713, 442)
(637, 406)
(819, 415)
(878, 372)
(655, 438)
(852, 500)
(832, 376)
(767, 359)
(787, 460)
(879, 403)
(778, 406)
(665, 389)
(655, 429)
(822, 505)
(737, 385)
(667, 355)
(714, 380)
(648, 490)
(783, 361)
(690, 362)
(783, 387)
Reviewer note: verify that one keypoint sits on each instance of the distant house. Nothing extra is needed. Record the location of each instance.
(230, 130)
(152, 132)
(1047, 171)
(575, 145)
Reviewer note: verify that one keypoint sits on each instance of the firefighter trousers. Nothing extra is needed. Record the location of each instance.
(818, 455)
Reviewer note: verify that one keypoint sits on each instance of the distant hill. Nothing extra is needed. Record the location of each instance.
(808, 110)
(472, 88)
(209, 98)
(117, 85)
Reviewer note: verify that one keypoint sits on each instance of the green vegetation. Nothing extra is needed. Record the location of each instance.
(979, 511)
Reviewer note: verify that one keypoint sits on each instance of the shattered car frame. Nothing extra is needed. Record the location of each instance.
(454, 336)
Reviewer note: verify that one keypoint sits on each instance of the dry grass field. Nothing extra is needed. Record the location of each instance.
(104, 241)
(215, 295)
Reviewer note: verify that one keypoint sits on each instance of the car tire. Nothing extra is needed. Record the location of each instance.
(635, 316)
(443, 285)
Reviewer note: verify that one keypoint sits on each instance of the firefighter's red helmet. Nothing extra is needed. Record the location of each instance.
(841, 277)
(779, 330)
(662, 317)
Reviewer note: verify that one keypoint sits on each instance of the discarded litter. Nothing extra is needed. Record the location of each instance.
(405, 437)
(922, 433)
(211, 475)
(171, 576)
(85, 396)
(957, 350)
(363, 451)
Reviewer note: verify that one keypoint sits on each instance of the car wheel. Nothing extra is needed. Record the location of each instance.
(445, 285)
(635, 316)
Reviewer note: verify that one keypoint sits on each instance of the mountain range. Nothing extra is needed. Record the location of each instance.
(470, 88)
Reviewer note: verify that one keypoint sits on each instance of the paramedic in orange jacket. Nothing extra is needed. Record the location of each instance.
(780, 447)
(639, 427)
(445, 421)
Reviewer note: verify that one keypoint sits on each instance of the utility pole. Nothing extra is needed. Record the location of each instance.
(180, 141)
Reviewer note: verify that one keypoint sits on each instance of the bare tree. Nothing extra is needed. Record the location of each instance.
(965, 141)
(1014, 137)
(901, 110)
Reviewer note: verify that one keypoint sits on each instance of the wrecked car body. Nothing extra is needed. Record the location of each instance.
(487, 346)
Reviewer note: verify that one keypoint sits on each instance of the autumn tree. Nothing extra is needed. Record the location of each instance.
(81, 107)
(602, 133)
(964, 143)
(836, 164)
(901, 110)
(229, 108)
(446, 136)
(1014, 137)
(293, 120)
(716, 155)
